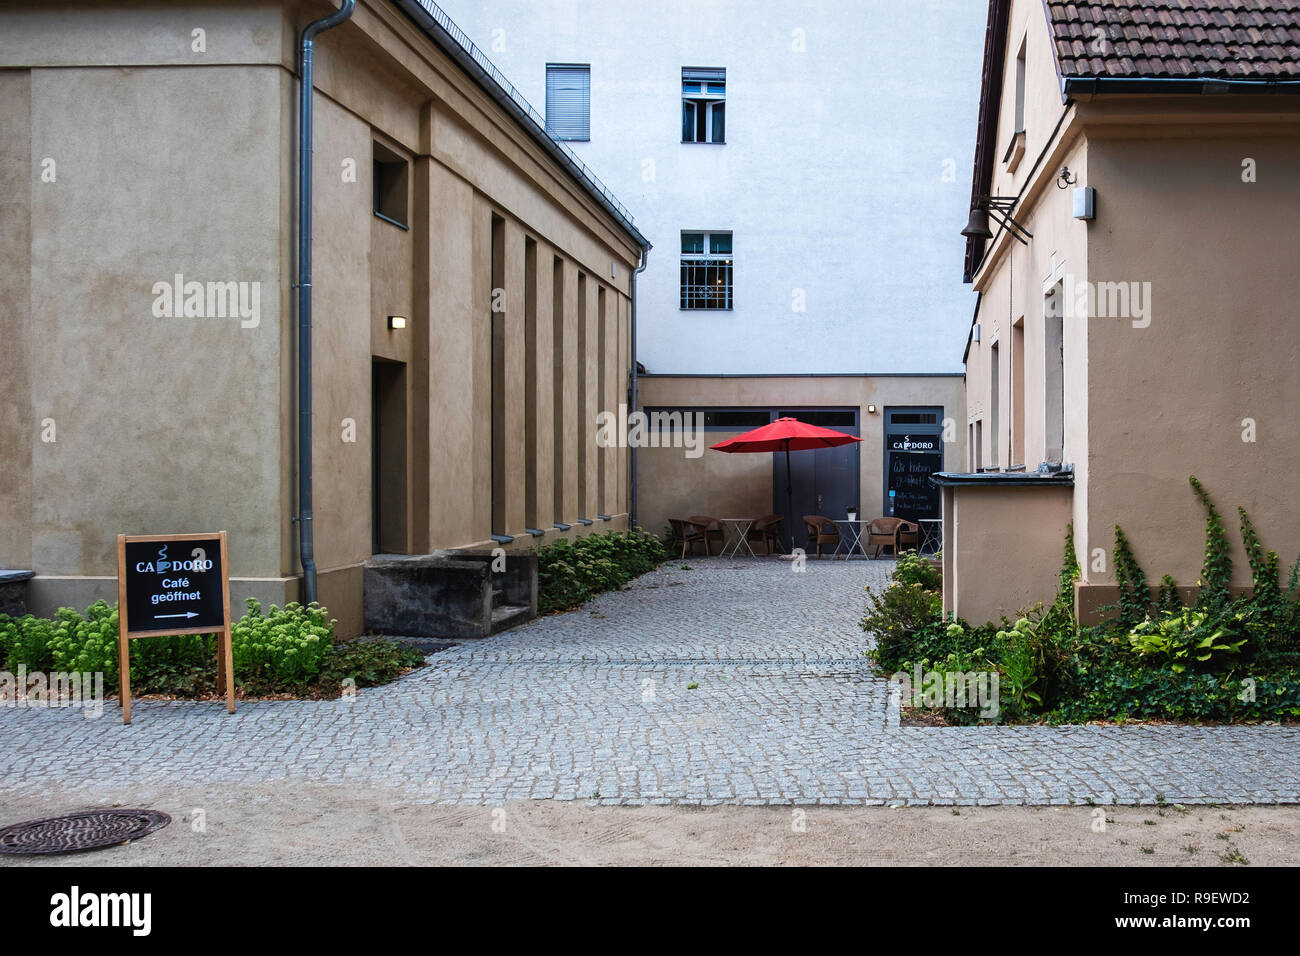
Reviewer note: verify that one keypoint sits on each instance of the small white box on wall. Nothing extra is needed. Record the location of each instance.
(1085, 203)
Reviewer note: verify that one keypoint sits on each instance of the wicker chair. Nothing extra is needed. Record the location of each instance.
(893, 533)
(765, 531)
(822, 531)
(688, 535)
(711, 528)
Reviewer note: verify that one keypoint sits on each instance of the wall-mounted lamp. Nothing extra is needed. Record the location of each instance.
(975, 333)
(613, 269)
(397, 321)
(1085, 203)
(871, 409)
(1066, 178)
(1000, 208)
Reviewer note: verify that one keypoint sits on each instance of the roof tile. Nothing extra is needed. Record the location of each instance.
(1179, 38)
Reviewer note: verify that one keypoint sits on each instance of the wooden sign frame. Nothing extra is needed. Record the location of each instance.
(125, 634)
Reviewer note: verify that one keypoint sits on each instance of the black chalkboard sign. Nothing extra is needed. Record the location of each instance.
(910, 490)
(174, 584)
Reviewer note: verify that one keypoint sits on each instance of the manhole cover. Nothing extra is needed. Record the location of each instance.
(80, 831)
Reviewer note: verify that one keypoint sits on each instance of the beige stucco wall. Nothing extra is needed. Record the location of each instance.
(994, 561)
(177, 161)
(1171, 399)
(672, 485)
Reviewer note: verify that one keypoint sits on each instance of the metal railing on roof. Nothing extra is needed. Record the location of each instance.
(489, 68)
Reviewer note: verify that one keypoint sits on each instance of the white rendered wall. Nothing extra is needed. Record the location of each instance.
(846, 171)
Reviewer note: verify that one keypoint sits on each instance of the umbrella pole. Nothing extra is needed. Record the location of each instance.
(789, 494)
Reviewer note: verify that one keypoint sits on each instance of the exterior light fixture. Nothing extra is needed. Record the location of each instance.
(1066, 178)
(871, 409)
(1085, 203)
(999, 207)
(397, 321)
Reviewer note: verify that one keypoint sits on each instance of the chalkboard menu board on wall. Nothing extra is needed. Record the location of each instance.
(910, 490)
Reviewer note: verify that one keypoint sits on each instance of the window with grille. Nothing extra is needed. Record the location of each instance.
(568, 100)
(707, 271)
(704, 105)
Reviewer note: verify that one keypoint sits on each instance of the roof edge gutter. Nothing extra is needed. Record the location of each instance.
(1202, 85)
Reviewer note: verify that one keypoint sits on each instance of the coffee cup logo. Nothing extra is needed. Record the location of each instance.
(162, 564)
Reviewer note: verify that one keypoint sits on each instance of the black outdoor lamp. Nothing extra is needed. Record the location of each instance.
(999, 207)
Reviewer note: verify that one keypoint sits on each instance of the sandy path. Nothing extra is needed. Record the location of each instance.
(335, 825)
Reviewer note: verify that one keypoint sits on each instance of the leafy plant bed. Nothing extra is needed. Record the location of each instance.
(287, 653)
(1222, 661)
(571, 573)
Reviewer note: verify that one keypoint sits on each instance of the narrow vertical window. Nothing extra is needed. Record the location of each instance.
(1020, 88)
(498, 324)
(390, 175)
(1054, 375)
(531, 397)
(557, 389)
(995, 399)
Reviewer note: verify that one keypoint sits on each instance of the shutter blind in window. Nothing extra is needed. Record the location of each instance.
(568, 101)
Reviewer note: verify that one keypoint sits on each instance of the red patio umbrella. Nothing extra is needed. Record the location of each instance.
(786, 434)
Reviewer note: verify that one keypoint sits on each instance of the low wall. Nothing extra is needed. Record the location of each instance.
(1003, 548)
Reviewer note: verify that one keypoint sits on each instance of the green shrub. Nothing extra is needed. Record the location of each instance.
(570, 573)
(897, 614)
(89, 643)
(286, 650)
(1114, 689)
(289, 644)
(26, 640)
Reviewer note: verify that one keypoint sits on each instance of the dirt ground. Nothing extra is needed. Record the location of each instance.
(333, 826)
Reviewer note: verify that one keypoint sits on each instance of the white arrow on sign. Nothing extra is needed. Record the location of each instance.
(187, 614)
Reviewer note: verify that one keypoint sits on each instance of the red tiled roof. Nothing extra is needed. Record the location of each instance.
(1245, 39)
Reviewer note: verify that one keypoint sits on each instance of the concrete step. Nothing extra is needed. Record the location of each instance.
(509, 615)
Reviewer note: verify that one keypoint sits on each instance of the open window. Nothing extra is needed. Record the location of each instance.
(704, 105)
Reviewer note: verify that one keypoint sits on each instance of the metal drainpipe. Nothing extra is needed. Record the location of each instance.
(645, 258)
(306, 543)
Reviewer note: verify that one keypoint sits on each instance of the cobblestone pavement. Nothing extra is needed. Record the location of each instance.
(598, 705)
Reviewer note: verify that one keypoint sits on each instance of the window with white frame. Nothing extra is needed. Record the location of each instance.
(707, 268)
(568, 100)
(704, 105)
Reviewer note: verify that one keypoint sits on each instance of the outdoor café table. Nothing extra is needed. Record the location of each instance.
(738, 530)
(853, 528)
(931, 534)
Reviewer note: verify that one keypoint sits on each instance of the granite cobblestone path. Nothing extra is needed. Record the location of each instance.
(595, 705)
